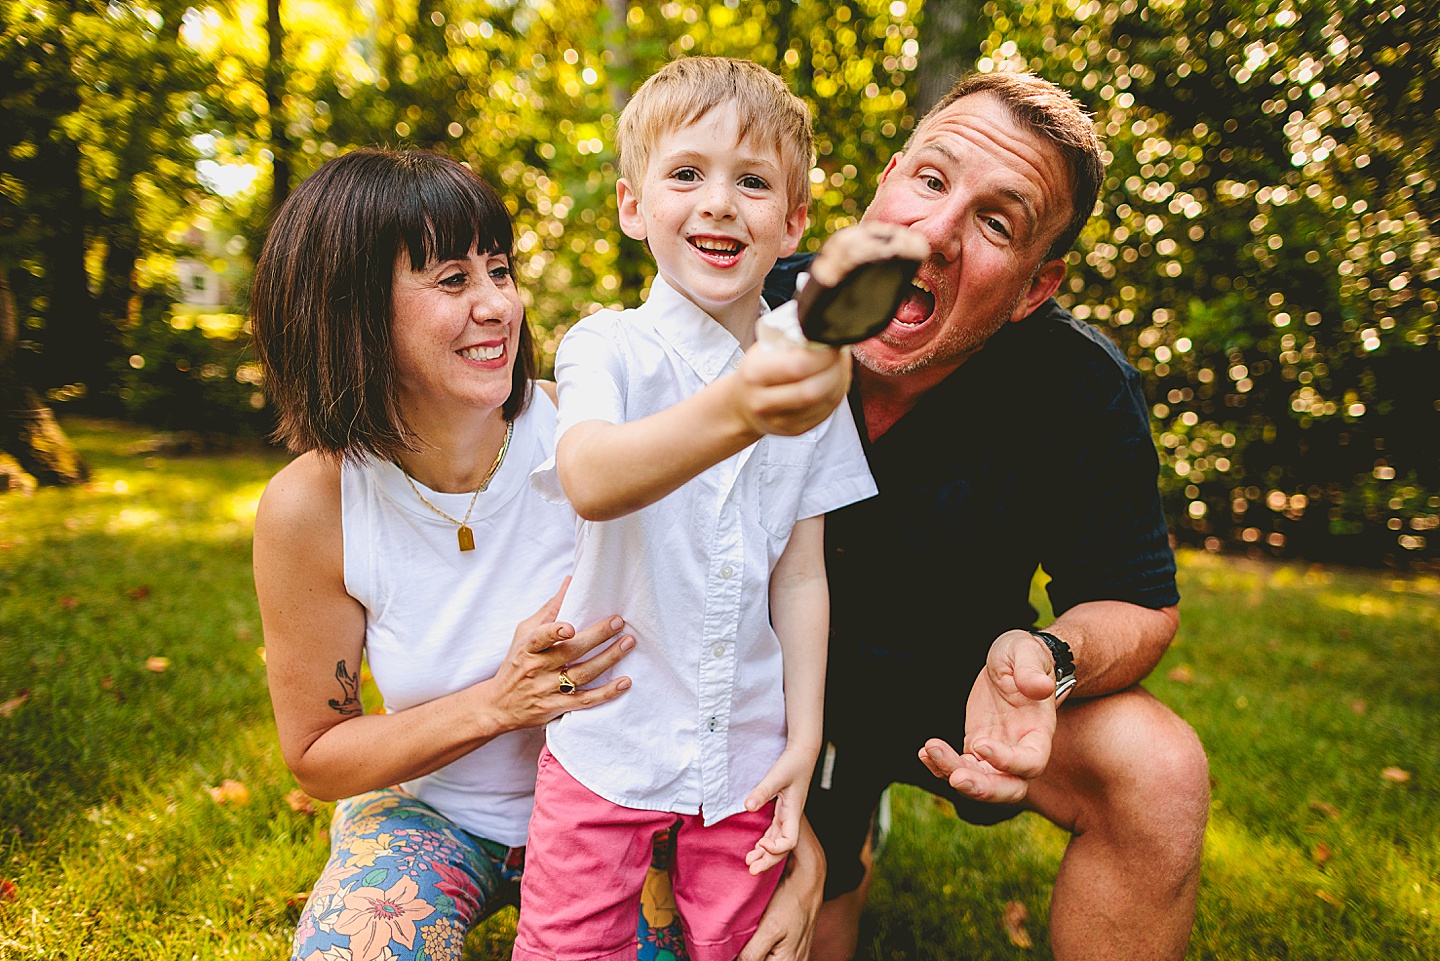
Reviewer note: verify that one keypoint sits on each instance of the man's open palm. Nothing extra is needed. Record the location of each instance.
(1009, 724)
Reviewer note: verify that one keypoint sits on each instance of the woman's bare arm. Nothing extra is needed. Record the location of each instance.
(314, 642)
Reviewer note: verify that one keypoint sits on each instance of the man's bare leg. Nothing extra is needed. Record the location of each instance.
(1128, 778)
(837, 926)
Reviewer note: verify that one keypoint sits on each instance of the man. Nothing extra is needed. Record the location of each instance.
(1004, 435)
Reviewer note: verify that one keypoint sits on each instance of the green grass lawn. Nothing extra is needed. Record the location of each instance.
(1315, 692)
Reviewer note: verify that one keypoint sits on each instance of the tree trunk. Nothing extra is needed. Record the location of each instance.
(28, 429)
(275, 101)
(949, 45)
(619, 76)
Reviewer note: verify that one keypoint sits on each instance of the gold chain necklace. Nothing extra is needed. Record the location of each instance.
(465, 535)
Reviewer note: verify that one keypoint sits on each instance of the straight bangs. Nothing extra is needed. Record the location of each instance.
(321, 300)
(447, 212)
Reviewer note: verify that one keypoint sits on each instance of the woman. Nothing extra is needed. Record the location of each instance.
(394, 345)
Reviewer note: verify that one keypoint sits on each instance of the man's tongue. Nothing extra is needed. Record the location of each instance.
(915, 308)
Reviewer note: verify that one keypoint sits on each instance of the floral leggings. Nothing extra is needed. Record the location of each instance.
(405, 883)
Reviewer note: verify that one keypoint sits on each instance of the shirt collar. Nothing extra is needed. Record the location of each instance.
(700, 340)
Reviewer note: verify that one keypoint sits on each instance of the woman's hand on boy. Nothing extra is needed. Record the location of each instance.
(528, 691)
(790, 391)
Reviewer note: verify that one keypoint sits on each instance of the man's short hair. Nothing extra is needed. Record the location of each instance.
(1056, 117)
(321, 301)
(684, 90)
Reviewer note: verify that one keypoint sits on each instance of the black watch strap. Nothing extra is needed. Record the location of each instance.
(1064, 662)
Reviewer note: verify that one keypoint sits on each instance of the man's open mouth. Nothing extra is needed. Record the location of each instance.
(917, 306)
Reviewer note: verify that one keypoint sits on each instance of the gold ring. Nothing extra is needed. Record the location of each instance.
(567, 686)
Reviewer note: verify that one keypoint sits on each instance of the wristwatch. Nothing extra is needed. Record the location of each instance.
(1064, 662)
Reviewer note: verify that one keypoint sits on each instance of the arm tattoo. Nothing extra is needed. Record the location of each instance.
(350, 688)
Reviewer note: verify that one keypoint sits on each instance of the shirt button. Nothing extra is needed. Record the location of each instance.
(718, 650)
(712, 723)
(727, 572)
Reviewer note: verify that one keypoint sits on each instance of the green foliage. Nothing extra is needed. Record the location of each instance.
(1301, 682)
(97, 166)
(193, 373)
(1264, 249)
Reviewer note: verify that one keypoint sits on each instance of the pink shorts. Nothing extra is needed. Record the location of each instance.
(585, 865)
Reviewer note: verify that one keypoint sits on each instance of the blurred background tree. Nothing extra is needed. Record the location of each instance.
(1264, 249)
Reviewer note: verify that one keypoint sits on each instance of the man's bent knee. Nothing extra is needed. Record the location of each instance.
(1125, 762)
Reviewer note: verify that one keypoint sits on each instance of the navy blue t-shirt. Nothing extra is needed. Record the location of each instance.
(1035, 451)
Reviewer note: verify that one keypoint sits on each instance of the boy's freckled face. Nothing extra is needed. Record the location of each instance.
(716, 214)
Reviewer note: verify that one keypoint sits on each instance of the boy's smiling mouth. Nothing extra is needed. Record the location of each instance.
(719, 249)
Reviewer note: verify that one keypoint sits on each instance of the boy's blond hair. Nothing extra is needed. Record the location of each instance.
(684, 90)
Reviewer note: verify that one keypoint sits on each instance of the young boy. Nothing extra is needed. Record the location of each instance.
(701, 526)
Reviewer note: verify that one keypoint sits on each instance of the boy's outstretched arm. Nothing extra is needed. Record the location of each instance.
(609, 470)
(800, 613)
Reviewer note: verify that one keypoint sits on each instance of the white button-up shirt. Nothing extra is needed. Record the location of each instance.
(690, 573)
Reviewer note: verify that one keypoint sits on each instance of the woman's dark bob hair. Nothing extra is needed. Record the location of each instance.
(321, 299)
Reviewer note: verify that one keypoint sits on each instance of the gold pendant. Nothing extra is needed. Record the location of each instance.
(466, 538)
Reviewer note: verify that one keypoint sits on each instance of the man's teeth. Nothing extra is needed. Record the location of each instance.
(917, 282)
(483, 353)
(717, 246)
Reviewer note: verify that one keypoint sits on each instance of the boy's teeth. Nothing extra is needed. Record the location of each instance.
(717, 246)
(482, 353)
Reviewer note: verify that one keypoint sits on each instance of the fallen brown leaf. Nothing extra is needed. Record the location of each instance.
(1358, 706)
(1184, 674)
(13, 705)
(107, 683)
(7, 889)
(139, 593)
(298, 899)
(300, 801)
(243, 632)
(157, 664)
(1015, 916)
(1320, 854)
(1329, 810)
(69, 603)
(1396, 774)
(231, 792)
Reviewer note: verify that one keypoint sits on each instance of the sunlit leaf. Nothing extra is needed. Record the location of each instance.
(157, 664)
(1184, 674)
(11, 706)
(1398, 775)
(300, 801)
(230, 792)
(1014, 921)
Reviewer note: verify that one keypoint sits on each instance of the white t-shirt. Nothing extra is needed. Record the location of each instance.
(438, 620)
(705, 719)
